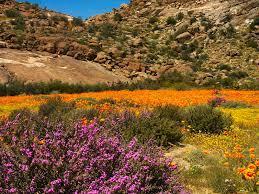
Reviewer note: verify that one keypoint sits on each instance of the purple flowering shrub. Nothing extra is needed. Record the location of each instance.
(88, 158)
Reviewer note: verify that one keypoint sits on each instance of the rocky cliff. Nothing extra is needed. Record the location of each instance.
(210, 40)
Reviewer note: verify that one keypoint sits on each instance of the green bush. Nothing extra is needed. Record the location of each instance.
(19, 23)
(229, 32)
(77, 21)
(179, 16)
(206, 119)
(206, 23)
(55, 106)
(117, 17)
(254, 23)
(238, 74)
(153, 20)
(234, 104)
(224, 67)
(12, 13)
(171, 21)
(173, 113)
(106, 30)
(250, 42)
(148, 126)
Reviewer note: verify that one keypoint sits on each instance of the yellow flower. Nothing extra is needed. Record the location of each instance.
(102, 120)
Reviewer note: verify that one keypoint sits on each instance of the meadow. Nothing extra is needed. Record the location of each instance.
(143, 141)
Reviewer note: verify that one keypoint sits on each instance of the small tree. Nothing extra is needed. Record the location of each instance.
(77, 21)
(117, 17)
(12, 13)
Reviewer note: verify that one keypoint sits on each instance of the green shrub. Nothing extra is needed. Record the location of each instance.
(193, 20)
(171, 21)
(19, 23)
(250, 42)
(106, 30)
(173, 113)
(77, 21)
(148, 126)
(179, 16)
(224, 67)
(153, 20)
(229, 32)
(206, 23)
(63, 19)
(254, 23)
(234, 104)
(238, 74)
(117, 17)
(12, 13)
(55, 106)
(206, 119)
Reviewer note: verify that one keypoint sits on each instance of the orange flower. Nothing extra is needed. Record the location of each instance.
(257, 163)
(42, 142)
(1, 139)
(226, 155)
(84, 121)
(252, 167)
(239, 155)
(237, 148)
(241, 170)
(249, 175)
(252, 150)
(252, 156)
(173, 164)
(206, 152)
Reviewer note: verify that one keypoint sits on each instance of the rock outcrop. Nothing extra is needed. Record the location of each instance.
(145, 38)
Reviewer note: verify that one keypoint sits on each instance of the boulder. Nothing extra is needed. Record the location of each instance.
(134, 67)
(101, 57)
(49, 47)
(91, 54)
(184, 37)
(3, 44)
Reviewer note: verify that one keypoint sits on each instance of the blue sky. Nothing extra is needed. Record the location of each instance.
(82, 8)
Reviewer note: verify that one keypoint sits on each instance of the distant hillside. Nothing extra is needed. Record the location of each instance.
(214, 42)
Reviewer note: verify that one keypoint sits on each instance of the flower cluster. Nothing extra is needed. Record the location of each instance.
(141, 97)
(87, 158)
(249, 169)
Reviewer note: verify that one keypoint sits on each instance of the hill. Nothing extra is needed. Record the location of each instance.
(212, 42)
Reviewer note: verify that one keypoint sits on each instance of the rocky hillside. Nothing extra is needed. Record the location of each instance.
(211, 41)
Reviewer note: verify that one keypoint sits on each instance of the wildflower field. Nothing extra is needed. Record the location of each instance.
(144, 141)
